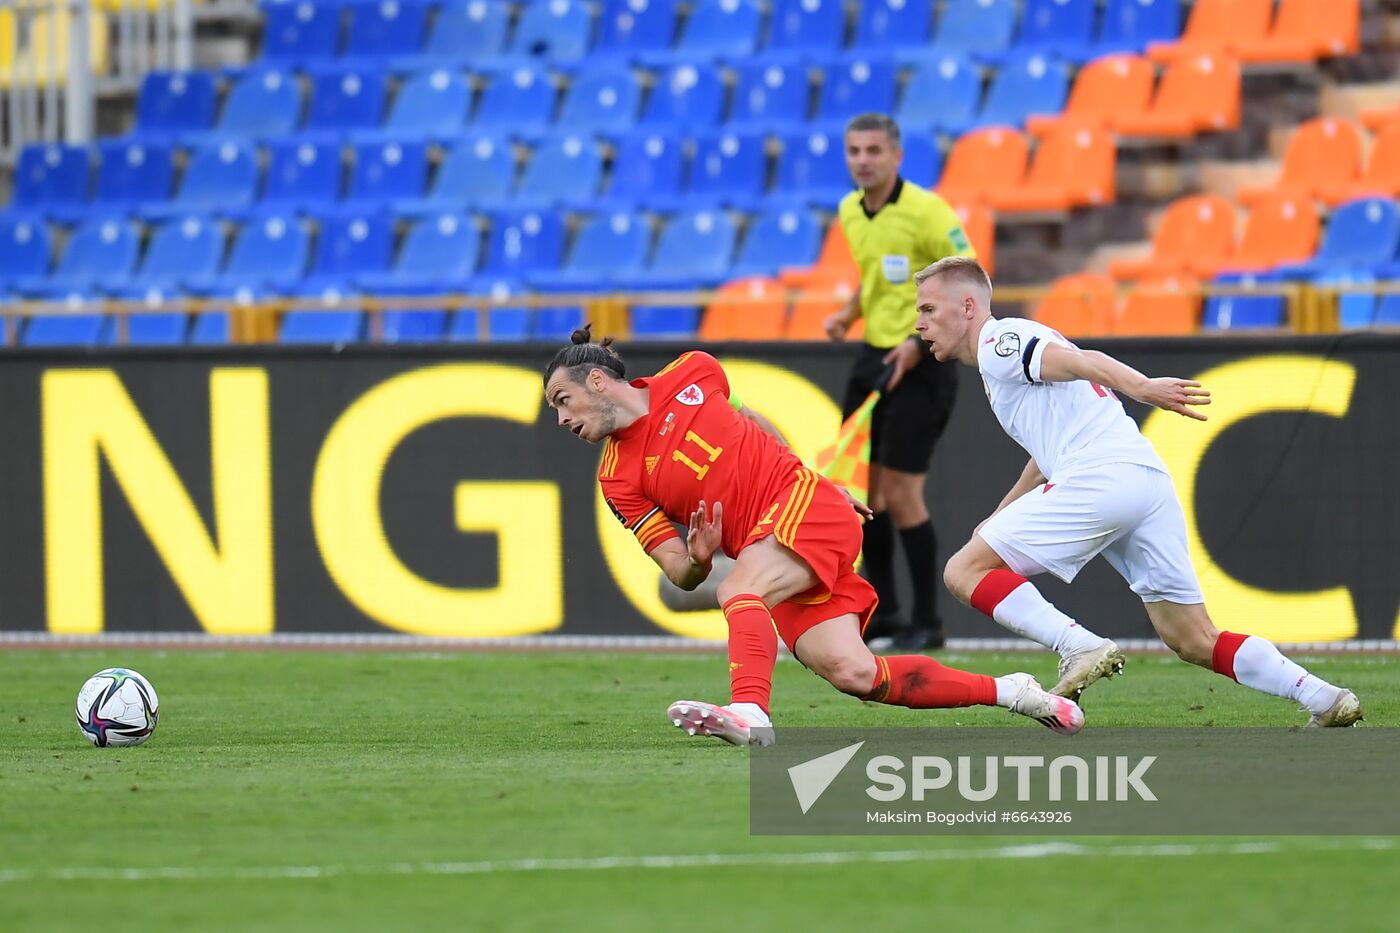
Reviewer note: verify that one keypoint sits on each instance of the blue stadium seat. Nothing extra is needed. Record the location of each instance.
(504, 323)
(302, 173)
(51, 175)
(778, 239)
(1388, 311)
(1354, 309)
(941, 92)
(440, 251)
(312, 324)
(386, 28)
(770, 96)
(478, 172)
(432, 103)
(263, 104)
(634, 27)
(923, 159)
(567, 167)
(71, 328)
(517, 101)
(686, 96)
(271, 248)
(25, 248)
(1131, 25)
(350, 243)
(175, 102)
(603, 100)
(523, 242)
(345, 97)
(386, 171)
(300, 30)
(856, 85)
(608, 247)
(807, 27)
(812, 170)
(717, 30)
(134, 172)
(465, 32)
(974, 27)
(554, 31)
(1053, 27)
(1033, 84)
(647, 168)
(893, 24)
(101, 252)
(219, 177)
(695, 249)
(1362, 235)
(729, 168)
(151, 329)
(184, 248)
(1244, 312)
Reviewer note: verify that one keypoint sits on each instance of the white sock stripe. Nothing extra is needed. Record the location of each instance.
(1034, 850)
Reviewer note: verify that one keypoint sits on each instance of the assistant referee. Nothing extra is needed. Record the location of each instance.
(895, 228)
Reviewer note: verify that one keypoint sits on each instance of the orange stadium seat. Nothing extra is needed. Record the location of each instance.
(1280, 228)
(1080, 306)
(982, 162)
(760, 314)
(1105, 88)
(1196, 228)
(1198, 93)
(1073, 167)
(1322, 152)
(1379, 118)
(1165, 307)
(1305, 30)
(980, 226)
(1382, 174)
(1214, 27)
(809, 314)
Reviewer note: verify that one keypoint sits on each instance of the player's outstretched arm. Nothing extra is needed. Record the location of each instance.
(687, 564)
(1066, 364)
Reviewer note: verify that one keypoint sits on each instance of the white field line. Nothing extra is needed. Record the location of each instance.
(1041, 850)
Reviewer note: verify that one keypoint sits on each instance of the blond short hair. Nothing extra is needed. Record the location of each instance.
(964, 270)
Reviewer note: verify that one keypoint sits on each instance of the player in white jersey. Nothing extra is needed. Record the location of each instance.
(1094, 485)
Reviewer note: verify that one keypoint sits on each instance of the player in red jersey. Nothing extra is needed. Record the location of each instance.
(680, 447)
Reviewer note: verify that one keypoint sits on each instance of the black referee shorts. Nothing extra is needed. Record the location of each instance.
(908, 421)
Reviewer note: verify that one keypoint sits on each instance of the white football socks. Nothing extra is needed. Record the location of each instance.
(1259, 664)
(1027, 613)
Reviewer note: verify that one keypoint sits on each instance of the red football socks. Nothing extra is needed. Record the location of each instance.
(753, 649)
(920, 682)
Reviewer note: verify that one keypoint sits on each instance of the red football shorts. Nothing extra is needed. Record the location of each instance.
(814, 520)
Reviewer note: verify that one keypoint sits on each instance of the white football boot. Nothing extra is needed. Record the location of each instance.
(737, 724)
(1079, 669)
(1344, 711)
(1058, 714)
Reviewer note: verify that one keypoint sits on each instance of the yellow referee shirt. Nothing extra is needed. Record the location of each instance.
(914, 228)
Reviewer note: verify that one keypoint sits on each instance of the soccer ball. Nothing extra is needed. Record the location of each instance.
(117, 707)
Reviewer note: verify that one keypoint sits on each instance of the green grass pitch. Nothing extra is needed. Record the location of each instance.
(402, 791)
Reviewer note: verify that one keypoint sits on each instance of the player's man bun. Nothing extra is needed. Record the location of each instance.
(583, 354)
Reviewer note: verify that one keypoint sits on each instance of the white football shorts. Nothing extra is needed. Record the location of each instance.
(1125, 511)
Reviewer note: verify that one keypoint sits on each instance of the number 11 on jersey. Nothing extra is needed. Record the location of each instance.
(700, 442)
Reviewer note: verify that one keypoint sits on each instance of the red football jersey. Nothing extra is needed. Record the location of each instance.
(693, 445)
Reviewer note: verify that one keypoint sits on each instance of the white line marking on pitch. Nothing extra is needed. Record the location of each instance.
(717, 860)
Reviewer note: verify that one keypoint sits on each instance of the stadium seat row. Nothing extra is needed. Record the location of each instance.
(356, 250)
(945, 94)
(652, 172)
(666, 31)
